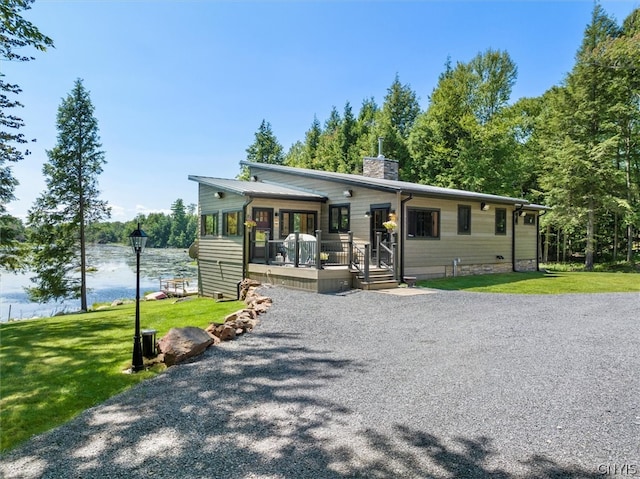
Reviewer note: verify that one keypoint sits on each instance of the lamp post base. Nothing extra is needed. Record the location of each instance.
(137, 363)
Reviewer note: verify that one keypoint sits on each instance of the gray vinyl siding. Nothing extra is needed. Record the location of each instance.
(220, 263)
(360, 201)
(219, 257)
(482, 246)
(526, 237)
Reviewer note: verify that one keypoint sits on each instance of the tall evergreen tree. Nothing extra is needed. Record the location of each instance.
(395, 121)
(60, 215)
(15, 33)
(264, 149)
(621, 55)
(582, 179)
(303, 155)
(179, 221)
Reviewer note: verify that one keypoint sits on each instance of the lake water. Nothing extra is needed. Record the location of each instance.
(114, 278)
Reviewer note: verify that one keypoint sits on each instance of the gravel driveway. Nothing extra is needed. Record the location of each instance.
(375, 385)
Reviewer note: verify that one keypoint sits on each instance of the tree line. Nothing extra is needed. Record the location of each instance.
(575, 148)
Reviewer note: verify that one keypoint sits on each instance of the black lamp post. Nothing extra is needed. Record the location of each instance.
(138, 240)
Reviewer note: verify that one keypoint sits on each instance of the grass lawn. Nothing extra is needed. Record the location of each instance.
(540, 283)
(51, 369)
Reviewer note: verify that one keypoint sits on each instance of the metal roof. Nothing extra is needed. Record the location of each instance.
(257, 189)
(386, 185)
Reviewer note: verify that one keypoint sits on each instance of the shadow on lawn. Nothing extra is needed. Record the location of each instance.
(253, 411)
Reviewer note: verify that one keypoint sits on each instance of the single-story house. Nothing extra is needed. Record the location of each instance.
(326, 231)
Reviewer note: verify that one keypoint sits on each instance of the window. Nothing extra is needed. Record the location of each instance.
(423, 223)
(339, 218)
(501, 221)
(464, 219)
(209, 225)
(529, 219)
(300, 221)
(231, 223)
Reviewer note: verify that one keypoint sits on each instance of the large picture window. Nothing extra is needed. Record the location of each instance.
(339, 218)
(423, 223)
(231, 223)
(300, 221)
(464, 219)
(501, 221)
(209, 225)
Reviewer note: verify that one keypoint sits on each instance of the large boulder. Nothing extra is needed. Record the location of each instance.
(183, 343)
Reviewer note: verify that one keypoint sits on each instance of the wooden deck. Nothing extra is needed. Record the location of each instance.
(178, 287)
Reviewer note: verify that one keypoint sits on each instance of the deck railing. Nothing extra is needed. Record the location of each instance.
(299, 251)
(386, 253)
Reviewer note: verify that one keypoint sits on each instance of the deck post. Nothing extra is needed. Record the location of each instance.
(350, 250)
(318, 249)
(367, 253)
(378, 241)
(394, 248)
(296, 255)
(267, 253)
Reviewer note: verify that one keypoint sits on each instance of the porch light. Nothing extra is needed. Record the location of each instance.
(347, 193)
(218, 194)
(367, 214)
(484, 206)
(523, 213)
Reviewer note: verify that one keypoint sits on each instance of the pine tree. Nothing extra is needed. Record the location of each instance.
(60, 215)
(582, 180)
(15, 33)
(265, 148)
(178, 237)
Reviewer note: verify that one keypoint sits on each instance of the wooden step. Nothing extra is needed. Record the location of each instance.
(373, 285)
(378, 279)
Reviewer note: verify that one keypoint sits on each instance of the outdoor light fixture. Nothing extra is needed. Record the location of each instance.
(484, 206)
(138, 241)
(523, 213)
(218, 194)
(254, 178)
(367, 214)
(347, 193)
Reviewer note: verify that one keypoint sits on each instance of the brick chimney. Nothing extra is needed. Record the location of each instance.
(380, 167)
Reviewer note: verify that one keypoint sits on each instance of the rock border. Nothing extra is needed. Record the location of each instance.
(179, 344)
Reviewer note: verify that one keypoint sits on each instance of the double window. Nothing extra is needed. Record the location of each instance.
(339, 218)
(423, 223)
(209, 224)
(300, 221)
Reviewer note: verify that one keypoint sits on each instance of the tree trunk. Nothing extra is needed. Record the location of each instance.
(545, 251)
(588, 254)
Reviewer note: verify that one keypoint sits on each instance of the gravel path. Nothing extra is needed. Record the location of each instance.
(374, 385)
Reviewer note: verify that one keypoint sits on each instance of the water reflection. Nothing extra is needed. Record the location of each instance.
(114, 278)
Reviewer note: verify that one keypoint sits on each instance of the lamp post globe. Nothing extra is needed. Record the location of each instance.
(138, 241)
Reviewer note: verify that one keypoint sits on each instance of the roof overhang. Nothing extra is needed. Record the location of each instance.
(258, 189)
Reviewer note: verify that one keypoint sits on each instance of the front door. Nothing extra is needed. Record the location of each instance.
(379, 214)
(264, 224)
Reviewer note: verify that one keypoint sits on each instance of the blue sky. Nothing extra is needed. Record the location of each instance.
(180, 87)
